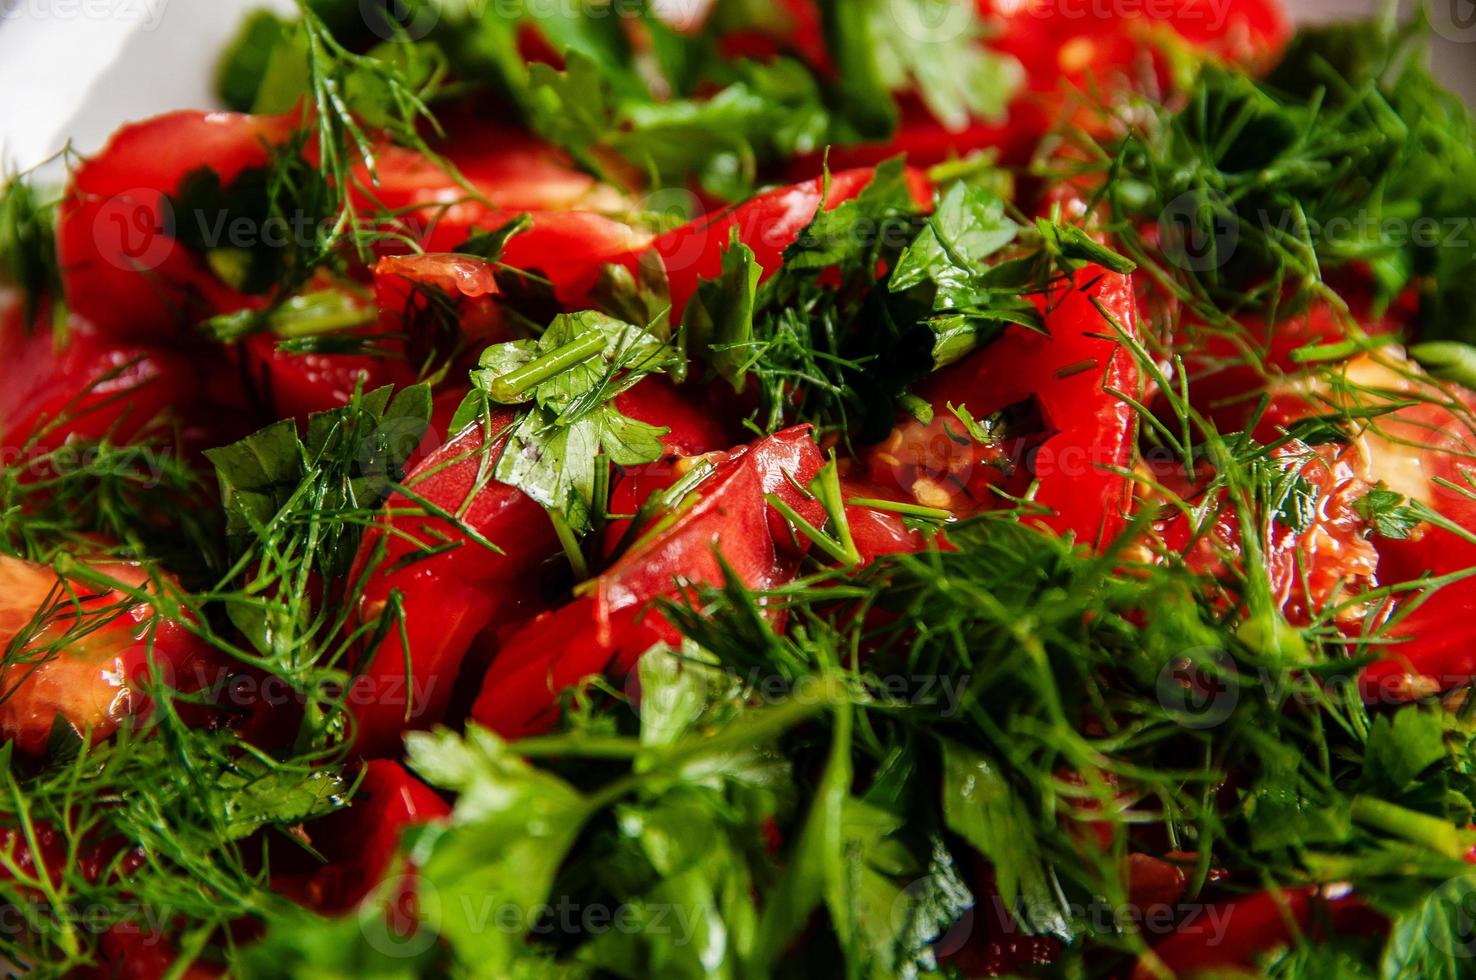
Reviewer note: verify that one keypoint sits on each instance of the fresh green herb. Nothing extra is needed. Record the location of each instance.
(1387, 513)
(28, 251)
(569, 378)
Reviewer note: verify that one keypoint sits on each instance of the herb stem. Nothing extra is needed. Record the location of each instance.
(510, 386)
(1439, 835)
(906, 510)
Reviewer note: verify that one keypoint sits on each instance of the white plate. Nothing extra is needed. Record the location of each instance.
(76, 69)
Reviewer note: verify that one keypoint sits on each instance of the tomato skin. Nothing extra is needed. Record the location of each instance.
(95, 682)
(800, 35)
(876, 532)
(1074, 42)
(1257, 924)
(92, 386)
(567, 248)
(1445, 437)
(768, 224)
(132, 951)
(452, 597)
(121, 269)
(1432, 648)
(610, 625)
(508, 166)
(296, 385)
(693, 426)
(362, 840)
(86, 390)
(1069, 375)
(514, 174)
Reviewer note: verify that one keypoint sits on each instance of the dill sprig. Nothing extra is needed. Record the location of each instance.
(28, 250)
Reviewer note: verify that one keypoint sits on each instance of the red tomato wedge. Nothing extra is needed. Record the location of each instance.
(1067, 380)
(451, 595)
(1231, 936)
(121, 266)
(1066, 47)
(610, 625)
(362, 840)
(768, 224)
(466, 588)
(88, 387)
(507, 167)
(1081, 42)
(94, 684)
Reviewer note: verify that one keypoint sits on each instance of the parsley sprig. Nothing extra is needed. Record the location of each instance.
(570, 427)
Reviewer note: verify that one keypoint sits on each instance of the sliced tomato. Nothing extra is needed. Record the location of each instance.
(451, 595)
(1064, 385)
(506, 166)
(361, 841)
(121, 266)
(113, 645)
(295, 385)
(877, 531)
(86, 390)
(413, 292)
(768, 224)
(1069, 46)
(1417, 438)
(610, 625)
(1311, 565)
(87, 386)
(1085, 43)
(1430, 648)
(466, 589)
(797, 32)
(1234, 935)
(428, 306)
(563, 248)
(133, 951)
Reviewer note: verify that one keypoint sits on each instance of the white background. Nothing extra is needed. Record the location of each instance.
(76, 69)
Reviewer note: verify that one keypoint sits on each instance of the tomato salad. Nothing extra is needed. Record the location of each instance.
(822, 487)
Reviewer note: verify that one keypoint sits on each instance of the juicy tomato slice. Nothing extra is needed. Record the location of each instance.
(87, 390)
(768, 224)
(135, 952)
(610, 625)
(450, 596)
(507, 166)
(1066, 381)
(1071, 46)
(416, 297)
(91, 387)
(1077, 43)
(564, 248)
(413, 289)
(362, 840)
(927, 142)
(878, 532)
(1326, 559)
(1419, 440)
(1432, 647)
(1248, 927)
(797, 32)
(94, 683)
(466, 589)
(295, 385)
(122, 269)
